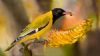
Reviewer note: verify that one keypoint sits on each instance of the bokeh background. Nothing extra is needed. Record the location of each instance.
(16, 14)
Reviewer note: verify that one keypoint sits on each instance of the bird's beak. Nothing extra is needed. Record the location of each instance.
(67, 13)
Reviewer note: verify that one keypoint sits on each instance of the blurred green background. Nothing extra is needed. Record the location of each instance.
(16, 14)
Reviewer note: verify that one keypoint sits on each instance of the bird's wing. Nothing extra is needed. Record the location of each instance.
(43, 22)
(36, 23)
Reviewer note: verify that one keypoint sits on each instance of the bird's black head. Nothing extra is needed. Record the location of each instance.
(57, 13)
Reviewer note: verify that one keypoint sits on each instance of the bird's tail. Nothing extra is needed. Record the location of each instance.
(12, 45)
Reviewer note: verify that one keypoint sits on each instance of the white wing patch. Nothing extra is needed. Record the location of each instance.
(25, 33)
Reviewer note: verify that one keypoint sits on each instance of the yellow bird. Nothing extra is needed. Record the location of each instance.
(39, 26)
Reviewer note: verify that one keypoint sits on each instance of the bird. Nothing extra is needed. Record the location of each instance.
(39, 26)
